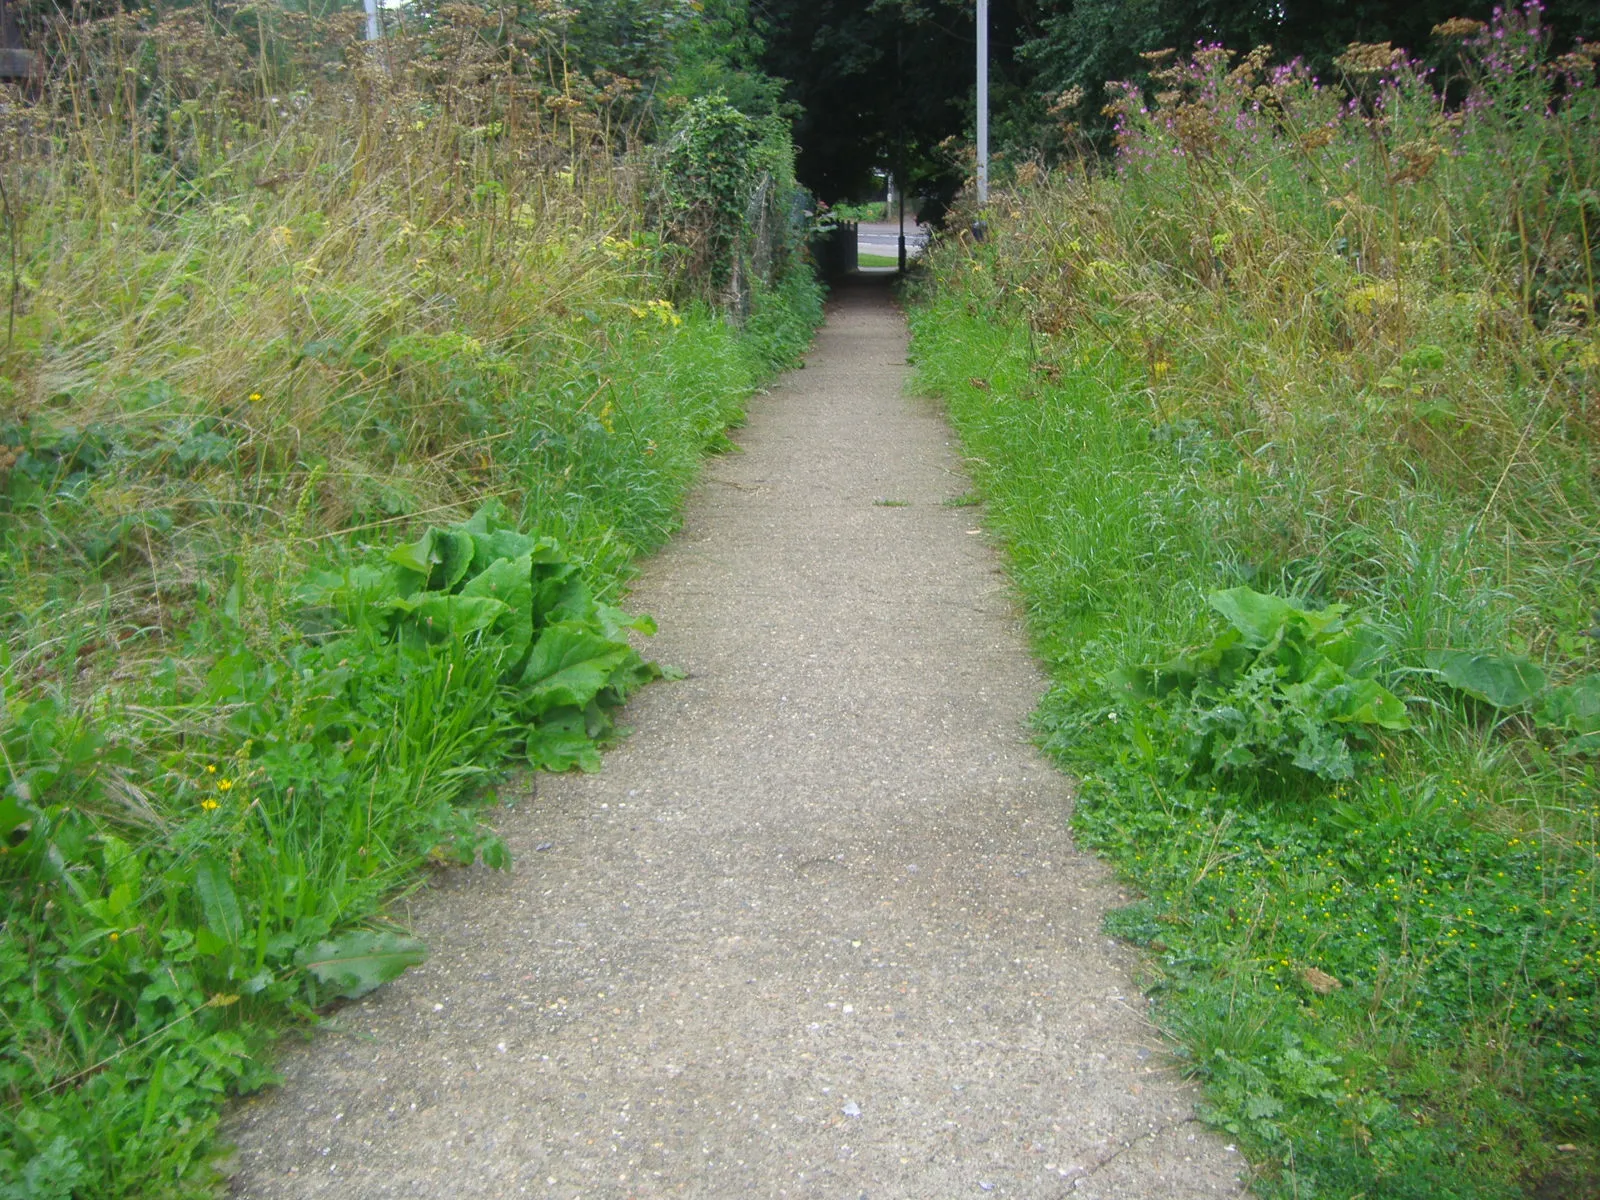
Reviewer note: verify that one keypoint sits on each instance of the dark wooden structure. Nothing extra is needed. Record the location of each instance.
(835, 252)
(18, 64)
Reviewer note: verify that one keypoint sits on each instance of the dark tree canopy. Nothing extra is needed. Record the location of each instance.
(862, 71)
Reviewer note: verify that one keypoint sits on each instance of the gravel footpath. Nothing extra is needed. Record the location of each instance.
(817, 930)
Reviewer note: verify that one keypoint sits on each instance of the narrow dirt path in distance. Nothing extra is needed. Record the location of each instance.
(817, 930)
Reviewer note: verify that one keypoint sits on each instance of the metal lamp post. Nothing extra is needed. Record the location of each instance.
(983, 102)
(900, 167)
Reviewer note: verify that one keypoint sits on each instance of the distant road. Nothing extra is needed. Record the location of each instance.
(884, 238)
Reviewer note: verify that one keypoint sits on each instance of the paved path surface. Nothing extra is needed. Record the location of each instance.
(817, 930)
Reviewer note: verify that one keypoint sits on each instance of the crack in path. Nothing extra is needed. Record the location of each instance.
(1077, 1177)
(818, 929)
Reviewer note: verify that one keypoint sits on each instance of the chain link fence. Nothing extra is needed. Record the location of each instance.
(776, 220)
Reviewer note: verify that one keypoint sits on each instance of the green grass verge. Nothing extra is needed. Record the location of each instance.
(192, 852)
(1311, 554)
(1458, 1050)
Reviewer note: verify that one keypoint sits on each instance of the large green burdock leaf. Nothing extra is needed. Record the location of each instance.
(613, 621)
(1502, 680)
(559, 594)
(442, 557)
(510, 580)
(357, 962)
(562, 740)
(492, 538)
(1259, 617)
(1367, 702)
(502, 543)
(445, 615)
(1575, 708)
(569, 666)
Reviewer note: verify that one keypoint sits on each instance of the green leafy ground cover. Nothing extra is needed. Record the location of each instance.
(338, 399)
(1288, 419)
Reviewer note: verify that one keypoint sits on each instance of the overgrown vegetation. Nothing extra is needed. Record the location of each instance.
(1289, 419)
(342, 384)
(903, 70)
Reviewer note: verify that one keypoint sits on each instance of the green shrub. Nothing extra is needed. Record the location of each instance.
(1283, 686)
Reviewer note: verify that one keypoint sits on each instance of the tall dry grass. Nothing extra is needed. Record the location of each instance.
(1380, 289)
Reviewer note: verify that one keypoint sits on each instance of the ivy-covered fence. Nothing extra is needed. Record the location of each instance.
(727, 199)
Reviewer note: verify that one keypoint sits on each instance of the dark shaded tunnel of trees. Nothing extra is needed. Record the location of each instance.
(865, 77)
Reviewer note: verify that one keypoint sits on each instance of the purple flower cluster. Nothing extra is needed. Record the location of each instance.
(1514, 40)
(1213, 107)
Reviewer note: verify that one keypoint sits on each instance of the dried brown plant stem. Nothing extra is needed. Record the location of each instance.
(11, 237)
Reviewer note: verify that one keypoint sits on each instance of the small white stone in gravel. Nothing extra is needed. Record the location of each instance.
(851, 1109)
